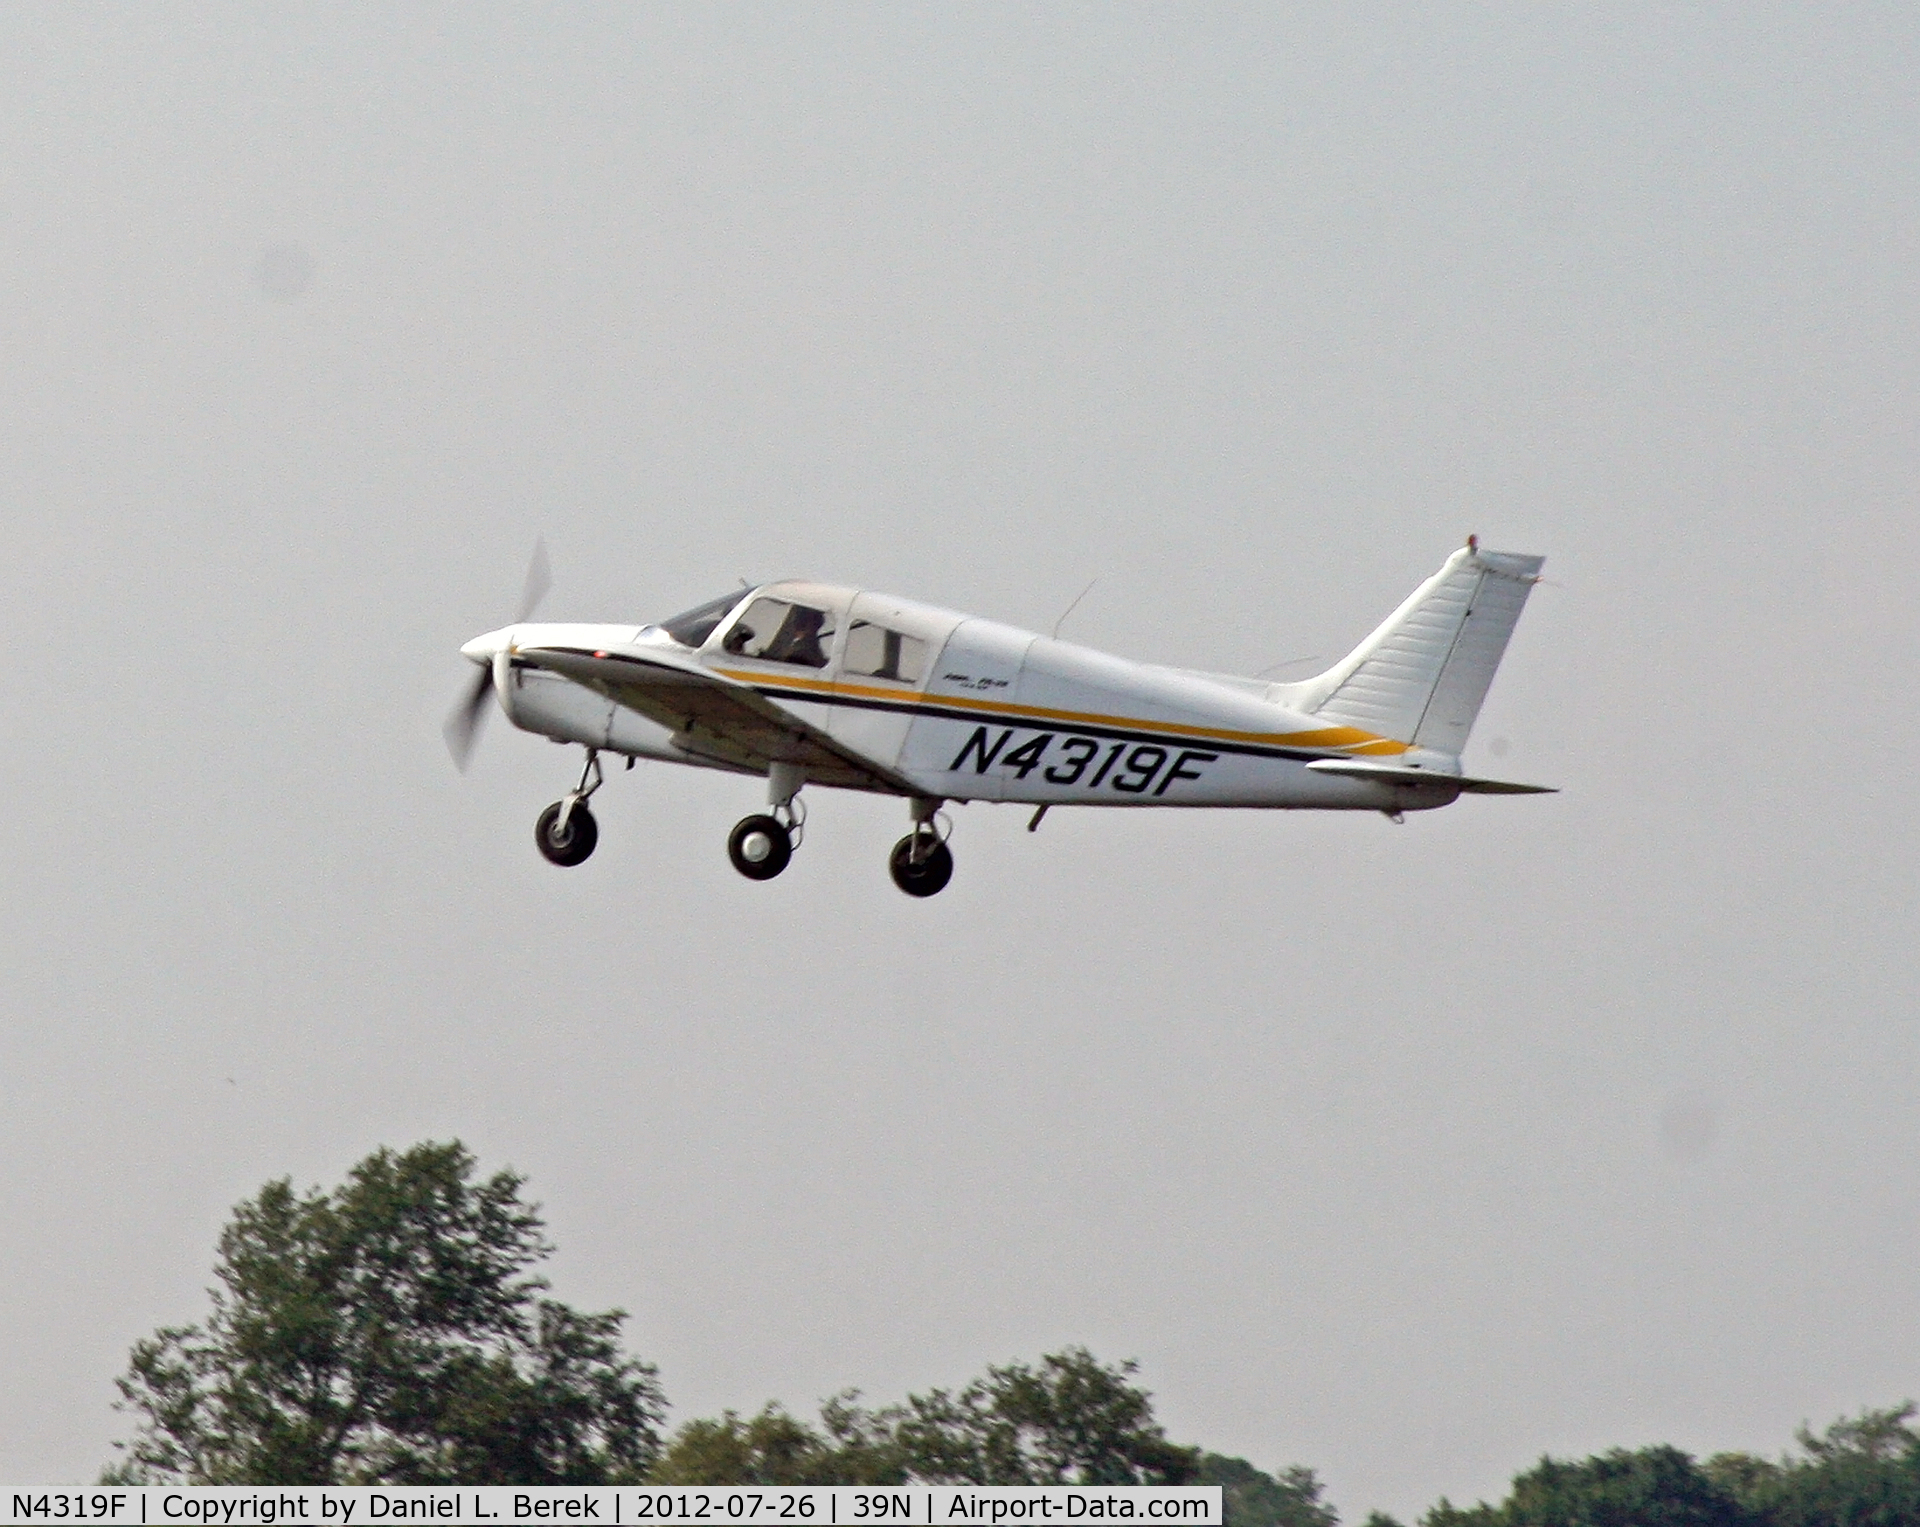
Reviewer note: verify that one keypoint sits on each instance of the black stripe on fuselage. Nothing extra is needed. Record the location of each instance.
(1040, 724)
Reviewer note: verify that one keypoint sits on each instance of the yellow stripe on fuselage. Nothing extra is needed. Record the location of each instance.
(1345, 738)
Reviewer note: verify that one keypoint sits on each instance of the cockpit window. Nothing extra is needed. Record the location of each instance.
(693, 628)
(778, 631)
(882, 654)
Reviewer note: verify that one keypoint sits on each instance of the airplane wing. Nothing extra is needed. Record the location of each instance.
(1399, 774)
(714, 717)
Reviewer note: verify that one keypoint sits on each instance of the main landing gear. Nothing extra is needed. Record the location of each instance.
(921, 862)
(762, 845)
(566, 832)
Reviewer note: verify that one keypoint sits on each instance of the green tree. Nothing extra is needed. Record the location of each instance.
(1653, 1487)
(1070, 1419)
(1864, 1472)
(1254, 1498)
(851, 1446)
(1443, 1513)
(390, 1330)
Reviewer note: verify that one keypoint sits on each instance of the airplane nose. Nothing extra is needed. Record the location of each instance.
(481, 649)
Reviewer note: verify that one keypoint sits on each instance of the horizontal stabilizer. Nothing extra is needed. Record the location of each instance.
(1400, 774)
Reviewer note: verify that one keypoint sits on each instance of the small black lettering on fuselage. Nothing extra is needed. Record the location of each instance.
(968, 681)
(1129, 767)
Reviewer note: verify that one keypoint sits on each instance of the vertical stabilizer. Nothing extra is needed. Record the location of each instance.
(1421, 676)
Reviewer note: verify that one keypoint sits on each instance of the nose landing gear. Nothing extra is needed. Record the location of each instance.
(566, 833)
(570, 842)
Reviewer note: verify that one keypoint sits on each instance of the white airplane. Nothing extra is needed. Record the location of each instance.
(812, 683)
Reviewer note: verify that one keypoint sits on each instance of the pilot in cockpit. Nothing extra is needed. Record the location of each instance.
(800, 636)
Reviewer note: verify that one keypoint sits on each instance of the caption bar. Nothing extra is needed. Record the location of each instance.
(621, 1506)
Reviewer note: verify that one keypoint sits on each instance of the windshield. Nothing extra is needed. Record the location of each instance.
(694, 627)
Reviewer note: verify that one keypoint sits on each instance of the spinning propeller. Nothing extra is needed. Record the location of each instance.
(462, 729)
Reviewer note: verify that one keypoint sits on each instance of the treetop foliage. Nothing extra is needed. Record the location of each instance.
(391, 1330)
(851, 1446)
(396, 1330)
(1070, 1419)
(1657, 1487)
(1863, 1472)
(1253, 1498)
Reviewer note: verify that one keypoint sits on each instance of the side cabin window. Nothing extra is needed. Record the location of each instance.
(878, 653)
(777, 631)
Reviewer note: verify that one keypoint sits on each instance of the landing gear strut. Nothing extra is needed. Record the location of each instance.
(762, 845)
(566, 832)
(921, 862)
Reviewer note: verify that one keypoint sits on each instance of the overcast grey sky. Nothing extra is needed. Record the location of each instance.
(1407, 1153)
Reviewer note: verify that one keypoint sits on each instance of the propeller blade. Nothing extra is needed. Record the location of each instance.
(539, 580)
(462, 729)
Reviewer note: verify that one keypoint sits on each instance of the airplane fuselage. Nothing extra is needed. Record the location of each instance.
(948, 706)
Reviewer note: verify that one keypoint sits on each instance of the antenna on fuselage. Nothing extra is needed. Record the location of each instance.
(1072, 607)
(1292, 662)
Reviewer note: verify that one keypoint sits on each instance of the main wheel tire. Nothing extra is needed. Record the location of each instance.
(927, 878)
(759, 847)
(576, 843)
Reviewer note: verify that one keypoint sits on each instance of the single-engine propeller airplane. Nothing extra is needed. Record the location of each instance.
(812, 683)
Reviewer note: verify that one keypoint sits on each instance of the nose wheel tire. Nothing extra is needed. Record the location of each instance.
(571, 845)
(928, 876)
(759, 847)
